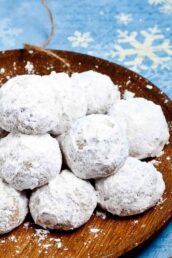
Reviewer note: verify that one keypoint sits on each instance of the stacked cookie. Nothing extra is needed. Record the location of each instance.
(100, 136)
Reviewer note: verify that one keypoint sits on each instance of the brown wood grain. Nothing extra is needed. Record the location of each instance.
(117, 235)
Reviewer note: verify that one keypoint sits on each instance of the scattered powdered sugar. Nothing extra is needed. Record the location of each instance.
(168, 158)
(101, 214)
(14, 66)
(2, 70)
(170, 125)
(29, 67)
(59, 245)
(26, 225)
(150, 87)
(135, 221)
(41, 234)
(143, 225)
(12, 238)
(95, 230)
(128, 82)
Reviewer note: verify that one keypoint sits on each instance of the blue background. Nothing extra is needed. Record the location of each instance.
(136, 34)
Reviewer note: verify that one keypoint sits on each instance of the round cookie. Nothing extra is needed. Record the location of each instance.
(146, 127)
(66, 203)
(101, 93)
(13, 208)
(95, 146)
(136, 187)
(70, 99)
(29, 161)
(28, 105)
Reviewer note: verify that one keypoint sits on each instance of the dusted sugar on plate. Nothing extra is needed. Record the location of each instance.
(29, 161)
(146, 126)
(13, 208)
(136, 187)
(70, 100)
(66, 203)
(95, 146)
(101, 93)
(28, 105)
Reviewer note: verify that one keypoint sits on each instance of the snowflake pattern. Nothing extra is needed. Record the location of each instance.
(80, 39)
(151, 52)
(8, 34)
(123, 18)
(165, 5)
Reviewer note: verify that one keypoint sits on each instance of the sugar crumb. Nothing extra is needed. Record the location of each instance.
(2, 70)
(149, 87)
(101, 214)
(143, 225)
(95, 230)
(59, 245)
(29, 67)
(128, 82)
(26, 225)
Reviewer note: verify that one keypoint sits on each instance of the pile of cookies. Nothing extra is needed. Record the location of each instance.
(82, 122)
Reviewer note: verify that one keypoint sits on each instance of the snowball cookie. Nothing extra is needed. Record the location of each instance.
(27, 105)
(13, 208)
(66, 203)
(29, 161)
(95, 146)
(136, 187)
(71, 99)
(146, 127)
(100, 91)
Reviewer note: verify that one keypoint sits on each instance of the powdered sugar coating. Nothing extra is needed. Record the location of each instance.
(136, 187)
(146, 127)
(28, 105)
(101, 93)
(13, 208)
(95, 146)
(70, 99)
(29, 161)
(66, 203)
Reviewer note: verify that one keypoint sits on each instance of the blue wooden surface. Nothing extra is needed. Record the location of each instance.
(136, 34)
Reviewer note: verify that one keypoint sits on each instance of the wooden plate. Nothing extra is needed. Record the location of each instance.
(116, 235)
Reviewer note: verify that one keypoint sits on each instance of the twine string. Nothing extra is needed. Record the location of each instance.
(51, 34)
(41, 48)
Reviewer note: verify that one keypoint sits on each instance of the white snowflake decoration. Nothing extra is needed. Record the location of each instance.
(80, 39)
(8, 34)
(143, 54)
(165, 5)
(124, 18)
